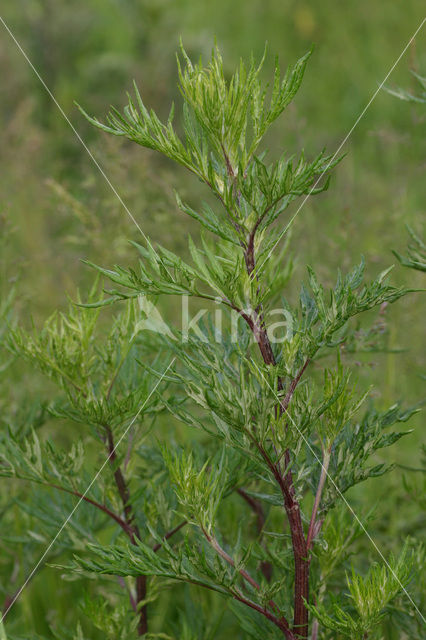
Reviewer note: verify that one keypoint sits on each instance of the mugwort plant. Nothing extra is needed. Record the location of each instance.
(252, 510)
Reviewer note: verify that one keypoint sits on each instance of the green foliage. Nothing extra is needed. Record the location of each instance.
(113, 621)
(217, 111)
(198, 492)
(323, 316)
(409, 96)
(369, 598)
(354, 448)
(416, 258)
(224, 123)
(100, 385)
(279, 428)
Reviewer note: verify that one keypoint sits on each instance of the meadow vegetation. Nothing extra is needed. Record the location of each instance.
(69, 384)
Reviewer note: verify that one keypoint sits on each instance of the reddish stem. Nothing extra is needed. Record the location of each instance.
(169, 534)
(291, 505)
(279, 620)
(123, 490)
(124, 525)
(300, 551)
(256, 505)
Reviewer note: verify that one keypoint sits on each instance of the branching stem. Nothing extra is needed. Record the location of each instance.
(169, 534)
(123, 490)
(102, 507)
(285, 482)
(277, 618)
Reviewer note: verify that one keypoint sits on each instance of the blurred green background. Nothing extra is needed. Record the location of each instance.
(56, 208)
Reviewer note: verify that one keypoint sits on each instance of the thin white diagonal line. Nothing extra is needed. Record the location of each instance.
(76, 133)
(64, 524)
(345, 139)
(342, 144)
(345, 500)
(114, 190)
(147, 240)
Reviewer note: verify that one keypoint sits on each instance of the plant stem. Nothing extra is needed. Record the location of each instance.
(300, 552)
(119, 480)
(169, 534)
(292, 387)
(123, 524)
(123, 490)
(291, 505)
(265, 567)
(280, 621)
(312, 532)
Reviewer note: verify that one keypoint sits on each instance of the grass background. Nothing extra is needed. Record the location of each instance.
(56, 209)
